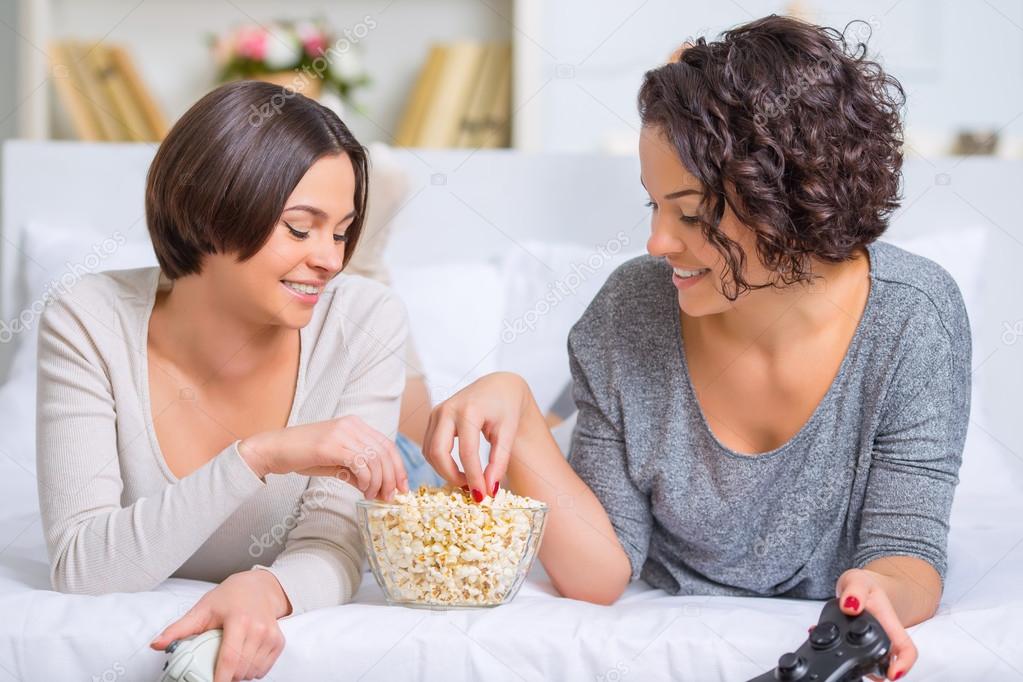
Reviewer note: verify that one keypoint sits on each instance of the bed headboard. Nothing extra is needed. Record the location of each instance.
(467, 205)
(463, 205)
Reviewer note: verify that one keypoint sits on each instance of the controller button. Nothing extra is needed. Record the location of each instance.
(192, 676)
(824, 635)
(791, 667)
(861, 632)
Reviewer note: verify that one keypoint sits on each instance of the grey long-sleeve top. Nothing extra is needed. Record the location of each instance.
(870, 474)
(114, 516)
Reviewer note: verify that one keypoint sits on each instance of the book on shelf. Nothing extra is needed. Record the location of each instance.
(462, 98)
(102, 93)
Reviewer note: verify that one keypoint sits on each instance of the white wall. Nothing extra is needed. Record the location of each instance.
(960, 62)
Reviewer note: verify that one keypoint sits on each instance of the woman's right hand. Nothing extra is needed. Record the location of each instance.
(346, 448)
(492, 405)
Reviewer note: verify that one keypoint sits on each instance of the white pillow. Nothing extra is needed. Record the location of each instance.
(56, 257)
(455, 317)
(962, 253)
(548, 288)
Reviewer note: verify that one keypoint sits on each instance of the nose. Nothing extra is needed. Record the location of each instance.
(662, 241)
(326, 254)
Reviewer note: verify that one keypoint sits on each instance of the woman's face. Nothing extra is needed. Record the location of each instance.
(305, 250)
(677, 236)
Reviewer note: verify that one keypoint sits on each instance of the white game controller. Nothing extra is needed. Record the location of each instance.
(192, 659)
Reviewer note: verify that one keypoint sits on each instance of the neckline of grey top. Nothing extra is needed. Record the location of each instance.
(847, 359)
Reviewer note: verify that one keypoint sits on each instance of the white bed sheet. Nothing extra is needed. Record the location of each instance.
(46, 636)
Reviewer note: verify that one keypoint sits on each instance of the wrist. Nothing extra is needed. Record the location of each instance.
(254, 450)
(531, 436)
(280, 605)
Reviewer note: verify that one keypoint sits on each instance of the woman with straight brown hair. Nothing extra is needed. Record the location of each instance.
(217, 417)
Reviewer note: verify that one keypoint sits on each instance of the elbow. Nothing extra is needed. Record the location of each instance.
(602, 587)
(68, 578)
(601, 595)
(62, 581)
(60, 577)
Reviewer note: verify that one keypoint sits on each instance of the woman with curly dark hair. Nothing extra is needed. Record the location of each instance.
(772, 403)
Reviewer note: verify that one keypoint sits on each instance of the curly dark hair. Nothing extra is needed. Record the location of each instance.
(795, 128)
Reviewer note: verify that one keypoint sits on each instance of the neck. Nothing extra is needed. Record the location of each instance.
(768, 319)
(206, 336)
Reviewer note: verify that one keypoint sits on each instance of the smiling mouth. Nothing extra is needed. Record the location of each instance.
(304, 289)
(682, 273)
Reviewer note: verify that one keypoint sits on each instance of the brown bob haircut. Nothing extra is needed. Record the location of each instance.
(220, 179)
(792, 127)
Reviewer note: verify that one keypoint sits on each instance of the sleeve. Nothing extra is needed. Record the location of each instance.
(598, 452)
(321, 563)
(95, 545)
(917, 451)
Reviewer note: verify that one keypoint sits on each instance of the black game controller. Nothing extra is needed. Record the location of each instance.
(840, 648)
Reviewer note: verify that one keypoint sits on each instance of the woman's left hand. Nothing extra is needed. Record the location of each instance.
(246, 606)
(858, 589)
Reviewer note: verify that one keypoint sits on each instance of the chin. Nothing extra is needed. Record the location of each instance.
(700, 308)
(294, 318)
(690, 307)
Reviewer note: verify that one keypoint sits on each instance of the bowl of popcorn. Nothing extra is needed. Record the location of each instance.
(437, 548)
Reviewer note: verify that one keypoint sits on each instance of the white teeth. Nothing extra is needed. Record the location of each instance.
(689, 273)
(301, 288)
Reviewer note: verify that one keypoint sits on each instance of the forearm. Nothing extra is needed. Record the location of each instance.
(415, 410)
(135, 548)
(911, 584)
(580, 551)
(321, 564)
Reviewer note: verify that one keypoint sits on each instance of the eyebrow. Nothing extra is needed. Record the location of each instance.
(316, 212)
(676, 194)
(681, 193)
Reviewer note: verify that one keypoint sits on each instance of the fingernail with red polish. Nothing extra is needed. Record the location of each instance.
(899, 674)
(477, 495)
(852, 603)
(497, 484)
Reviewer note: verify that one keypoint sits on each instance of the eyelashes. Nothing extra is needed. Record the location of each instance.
(687, 219)
(300, 235)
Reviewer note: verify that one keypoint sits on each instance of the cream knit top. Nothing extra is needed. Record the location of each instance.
(114, 516)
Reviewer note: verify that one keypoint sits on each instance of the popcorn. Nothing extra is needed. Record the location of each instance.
(436, 546)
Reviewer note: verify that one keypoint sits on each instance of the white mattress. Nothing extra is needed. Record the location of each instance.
(647, 635)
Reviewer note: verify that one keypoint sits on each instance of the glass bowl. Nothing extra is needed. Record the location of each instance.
(450, 557)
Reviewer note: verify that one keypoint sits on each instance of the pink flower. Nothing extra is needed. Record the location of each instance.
(315, 45)
(251, 43)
